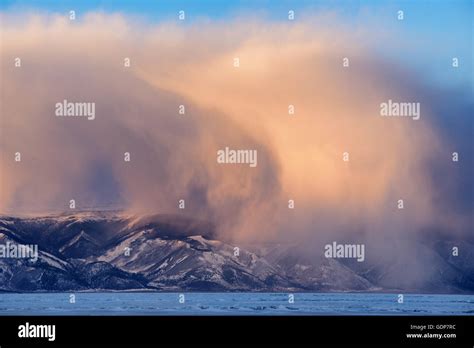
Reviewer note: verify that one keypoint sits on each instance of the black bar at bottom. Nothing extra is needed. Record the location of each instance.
(224, 330)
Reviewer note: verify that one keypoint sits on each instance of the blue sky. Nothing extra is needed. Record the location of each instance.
(427, 13)
(434, 31)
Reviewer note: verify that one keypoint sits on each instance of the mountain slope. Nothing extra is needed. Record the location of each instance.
(113, 251)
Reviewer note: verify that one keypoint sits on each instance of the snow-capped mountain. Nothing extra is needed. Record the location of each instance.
(113, 251)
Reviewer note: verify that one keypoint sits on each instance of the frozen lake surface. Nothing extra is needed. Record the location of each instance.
(110, 303)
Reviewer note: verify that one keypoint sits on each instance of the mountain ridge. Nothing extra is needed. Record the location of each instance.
(87, 251)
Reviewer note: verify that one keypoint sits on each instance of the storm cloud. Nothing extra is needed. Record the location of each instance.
(173, 156)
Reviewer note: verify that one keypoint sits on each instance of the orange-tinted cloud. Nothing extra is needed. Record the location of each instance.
(174, 156)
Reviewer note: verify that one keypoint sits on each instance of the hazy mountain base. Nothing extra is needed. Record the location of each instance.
(86, 252)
